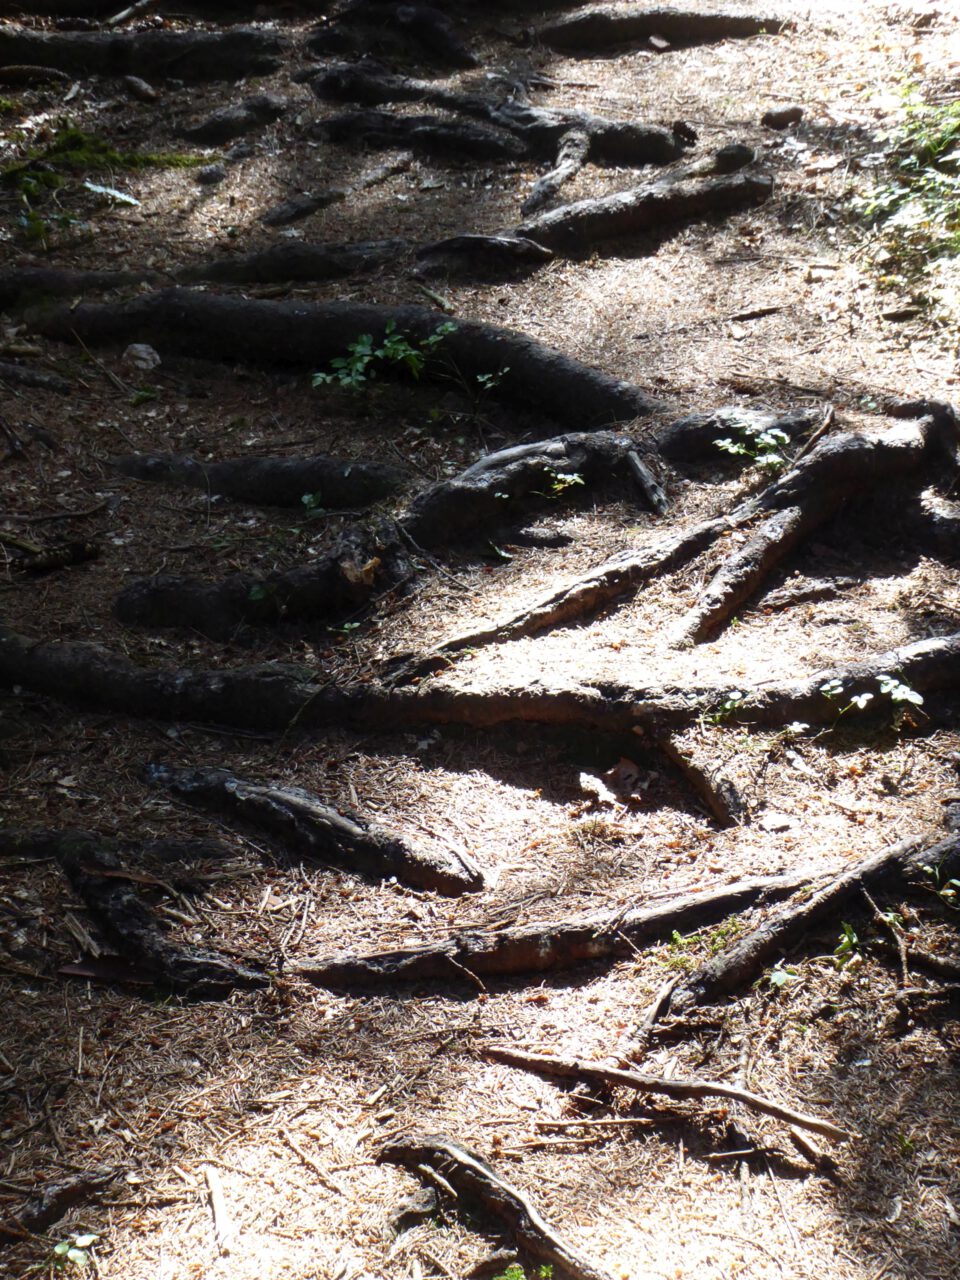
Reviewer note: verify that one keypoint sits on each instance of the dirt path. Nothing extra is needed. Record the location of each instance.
(570, 669)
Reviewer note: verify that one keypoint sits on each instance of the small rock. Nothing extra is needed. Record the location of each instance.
(141, 356)
(139, 89)
(211, 174)
(782, 117)
(242, 151)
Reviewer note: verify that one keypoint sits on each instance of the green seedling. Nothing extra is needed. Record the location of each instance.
(761, 447)
(364, 359)
(848, 951)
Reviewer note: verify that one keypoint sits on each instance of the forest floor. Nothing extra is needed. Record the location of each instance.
(289, 1093)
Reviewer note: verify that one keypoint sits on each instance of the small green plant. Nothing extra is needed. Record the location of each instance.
(760, 446)
(75, 1251)
(915, 207)
(848, 951)
(901, 697)
(559, 483)
(359, 366)
(947, 890)
(516, 1272)
(725, 709)
(781, 976)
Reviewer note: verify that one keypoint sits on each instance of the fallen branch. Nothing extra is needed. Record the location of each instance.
(472, 1178)
(542, 947)
(306, 828)
(594, 1074)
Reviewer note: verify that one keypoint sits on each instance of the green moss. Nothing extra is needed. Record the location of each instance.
(8, 106)
(73, 152)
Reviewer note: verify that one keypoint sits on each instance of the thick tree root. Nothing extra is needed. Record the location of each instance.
(276, 698)
(185, 55)
(602, 31)
(719, 794)
(362, 564)
(427, 135)
(569, 137)
(234, 120)
(277, 482)
(696, 437)
(495, 491)
(260, 333)
(472, 1179)
(97, 875)
(541, 947)
(306, 828)
(21, 375)
(651, 207)
(743, 960)
(594, 1074)
(411, 29)
(467, 254)
(572, 155)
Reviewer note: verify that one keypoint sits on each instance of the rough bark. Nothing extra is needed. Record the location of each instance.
(280, 698)
(278, 482)
(572, 155)
(743, 960)
(362, 563)
(304, 827)
(470, 253)
(472, 1179)
(420, 28)
(610, 30)
(309, 335)
(426, 135)
(543, 946)
(652, 207)
(96, 875)
(23, 376)
(186, 55)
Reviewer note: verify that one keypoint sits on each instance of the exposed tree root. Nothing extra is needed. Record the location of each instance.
(695, 438)
(593, 1073)
(276, 482)
(743, 960)
(541, 947)
(228, 54)
(306, 828)
(572, 155)
(416, 29)
(653, 206)
(23, 376)
(97, 875)
(278, 698)
(722, 800)
(234, 120)
(362, 563)
(429, 135)
(57, 1199)
(23, 286)
(610, 30)
(262, 333)
(472, 1179)
(496, 491)
(470, 252)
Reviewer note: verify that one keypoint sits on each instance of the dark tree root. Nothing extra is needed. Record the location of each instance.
(743, 960)
(98, 877)
(419, 29)
(228, 54)
(279, 698)
(306, 828)
(594, 1074)
(542, 947)
(362, 564)
(696, 437)
(22, 376)
(654, 206)
(472, 1179)
(466, 254)
(495, 491)
(56, 1200)
(609, 31)
(276, 482)
(234, 120)
(309, 335)
(718, 793)
(429, 135)
(293, 262)
(569, 139)
(836, 468)
(301, 206)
